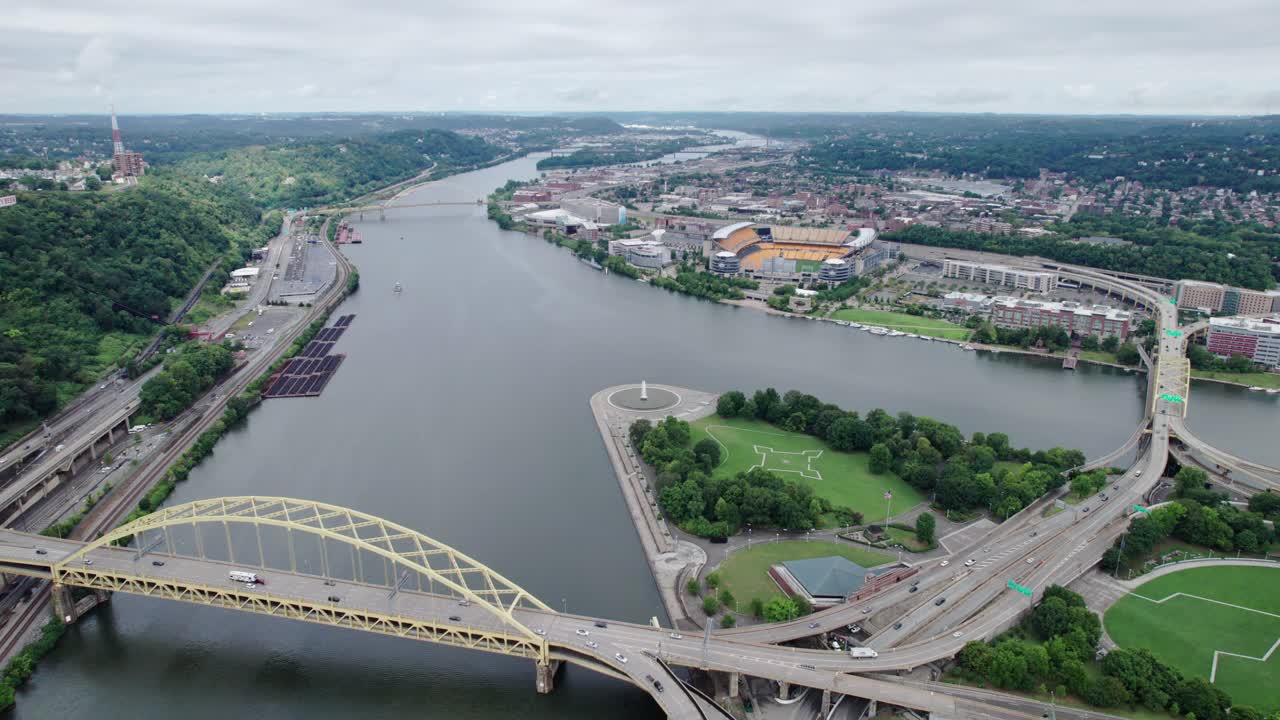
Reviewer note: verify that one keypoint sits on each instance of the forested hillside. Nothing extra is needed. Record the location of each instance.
(71, 262)
(314, 173)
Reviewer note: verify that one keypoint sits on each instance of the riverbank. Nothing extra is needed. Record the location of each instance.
(671, 559)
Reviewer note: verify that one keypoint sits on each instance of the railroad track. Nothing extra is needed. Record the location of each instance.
(108, 513)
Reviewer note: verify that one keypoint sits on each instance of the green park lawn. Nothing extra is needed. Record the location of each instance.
(1235, 609)
(903, 322)
(1257, 379)
(746, 572)
(842, 478)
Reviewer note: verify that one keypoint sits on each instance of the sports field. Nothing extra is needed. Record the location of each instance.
(904, 322)
(842, 478)
(812, 266)
(746, 572)
(1220, 623)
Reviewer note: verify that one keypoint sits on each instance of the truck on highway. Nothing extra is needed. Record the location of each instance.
(858, 653)
(245, 577)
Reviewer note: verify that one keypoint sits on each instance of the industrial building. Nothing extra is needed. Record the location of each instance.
(1212, 298)
(1258, 340)
(795, 254)
(1032, 280)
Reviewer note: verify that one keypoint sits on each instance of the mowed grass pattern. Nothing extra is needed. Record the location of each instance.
(904, 322)
(746, 572)
(845, 478)
(1185, 631)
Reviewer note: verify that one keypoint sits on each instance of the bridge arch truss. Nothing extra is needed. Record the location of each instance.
(404, 550)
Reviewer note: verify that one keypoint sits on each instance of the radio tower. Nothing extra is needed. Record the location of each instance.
(118, 148)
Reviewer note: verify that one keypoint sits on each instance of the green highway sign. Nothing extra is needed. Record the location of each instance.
(1172, 301)
(1168, 397)
(1173, 333)
(1024, 590)
(1139, 508)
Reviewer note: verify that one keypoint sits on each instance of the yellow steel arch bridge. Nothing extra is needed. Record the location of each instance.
(449, 572)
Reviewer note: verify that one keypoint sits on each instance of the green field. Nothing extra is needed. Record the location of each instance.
(842, 478)
(903, 322)
(1258, 379)
(812, 266)
(1225, 609)
(746, 572)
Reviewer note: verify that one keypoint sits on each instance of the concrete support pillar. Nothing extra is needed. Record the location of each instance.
(784, 690)
(826, 703)
(872, 709)
(63, 604)
(547, 676)
(733, 685)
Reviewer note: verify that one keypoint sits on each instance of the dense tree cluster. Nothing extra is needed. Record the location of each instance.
(314, 173)
(1069, 632)
(185, 377)
(692, 281)
(1199, 516)
(83, 275)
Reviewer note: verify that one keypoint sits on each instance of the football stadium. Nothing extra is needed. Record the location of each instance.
(796, 254)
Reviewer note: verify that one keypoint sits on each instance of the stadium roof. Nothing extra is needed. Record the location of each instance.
(827, 576)
(728, 230)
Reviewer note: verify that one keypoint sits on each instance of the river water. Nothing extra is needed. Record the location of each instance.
(461, 411)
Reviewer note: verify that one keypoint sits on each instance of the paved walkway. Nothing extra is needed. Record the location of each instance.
(671, 558)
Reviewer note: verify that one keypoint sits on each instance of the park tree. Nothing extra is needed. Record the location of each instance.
(756, 608)
(728, 620)
(730, 404)
(637, 432)
(850, 433)
(1106, 692)
(726, 598)
(880, 459)
(926, 525)
(707, 451)
(780, 609)
(710, 605)
(1266, 503)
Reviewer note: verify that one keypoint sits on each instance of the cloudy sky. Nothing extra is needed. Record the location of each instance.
(1081, 56)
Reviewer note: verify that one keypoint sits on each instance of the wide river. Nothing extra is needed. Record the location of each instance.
(461, 411)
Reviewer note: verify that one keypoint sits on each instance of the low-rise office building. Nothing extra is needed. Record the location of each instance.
(1210, 297)
(1258, 340)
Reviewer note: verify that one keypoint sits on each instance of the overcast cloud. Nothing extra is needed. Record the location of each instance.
(1082, 56)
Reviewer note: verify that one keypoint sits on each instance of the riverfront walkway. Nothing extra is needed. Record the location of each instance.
(672, 560)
